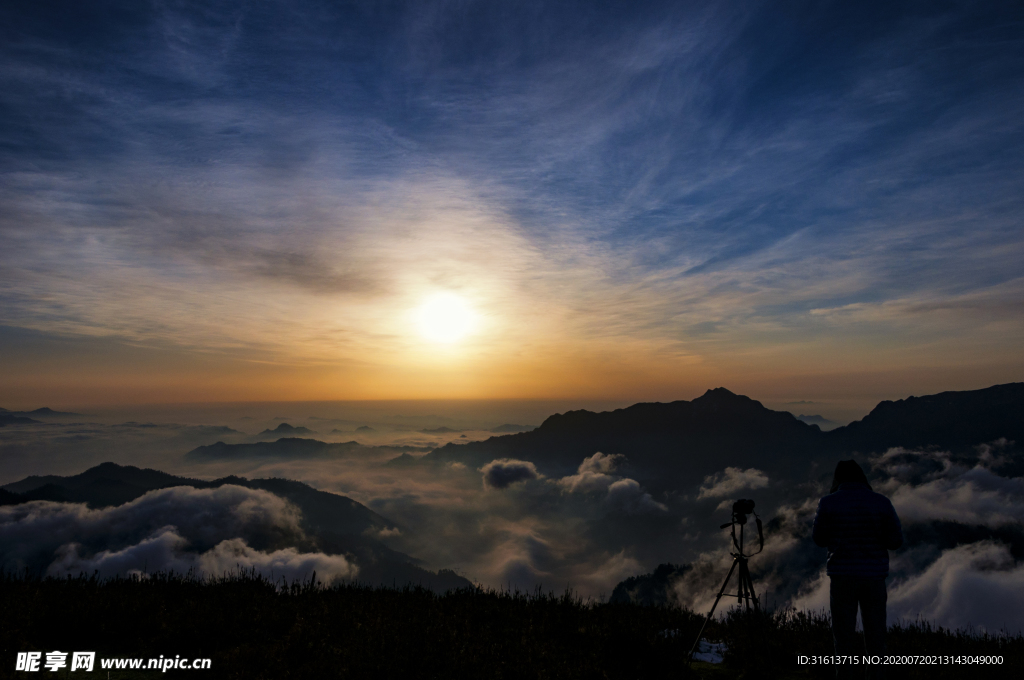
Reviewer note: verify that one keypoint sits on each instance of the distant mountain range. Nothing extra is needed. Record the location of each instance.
(290, 447)
(39, 412)
(29, 417)
(336, 524)
(820, 421)
(670, 444)
(284, 429)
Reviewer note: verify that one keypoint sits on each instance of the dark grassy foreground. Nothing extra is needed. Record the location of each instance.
(252, 629)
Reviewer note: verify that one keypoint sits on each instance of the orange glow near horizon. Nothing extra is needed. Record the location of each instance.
(111, 373)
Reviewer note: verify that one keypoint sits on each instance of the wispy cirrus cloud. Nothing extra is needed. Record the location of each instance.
(704, 184)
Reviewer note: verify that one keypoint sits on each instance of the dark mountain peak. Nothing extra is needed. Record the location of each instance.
(947, 419)
(142, 477)
(715, 409)
(47, 411)
(693, 438)
(721, 398)
(111, 469)
(39, 412)
(721, 393)
(109, 465)
(103, 485)
(230, 479)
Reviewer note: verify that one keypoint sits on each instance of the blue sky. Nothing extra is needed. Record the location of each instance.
(639, 199)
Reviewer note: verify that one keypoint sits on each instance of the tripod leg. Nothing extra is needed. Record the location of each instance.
(742, 596)
(747, 586)
(711, 613)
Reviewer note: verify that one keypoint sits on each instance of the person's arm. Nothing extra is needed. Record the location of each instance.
(893, 529)
(820, 532)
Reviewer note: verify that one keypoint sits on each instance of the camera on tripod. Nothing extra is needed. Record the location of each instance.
(745, 591)
(740, 510)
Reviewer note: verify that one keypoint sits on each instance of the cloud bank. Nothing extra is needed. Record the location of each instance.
(730, 481)
(210, 530)
(502, 473)
(595, 475)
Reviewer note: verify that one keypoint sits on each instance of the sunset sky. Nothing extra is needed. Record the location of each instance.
(384, 200)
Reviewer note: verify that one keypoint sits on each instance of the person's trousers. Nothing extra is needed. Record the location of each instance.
(846, 593)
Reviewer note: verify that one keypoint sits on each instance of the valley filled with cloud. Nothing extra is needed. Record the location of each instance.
(501, 511)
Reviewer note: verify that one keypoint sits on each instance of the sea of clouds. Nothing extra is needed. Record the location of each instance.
(209, 531)
(512, 523)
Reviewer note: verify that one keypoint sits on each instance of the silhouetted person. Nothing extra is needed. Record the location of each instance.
(859, 527)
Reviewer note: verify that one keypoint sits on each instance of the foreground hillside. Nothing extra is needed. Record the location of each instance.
(249, 629)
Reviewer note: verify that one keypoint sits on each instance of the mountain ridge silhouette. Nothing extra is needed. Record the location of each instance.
(336, 524)
(682, 441)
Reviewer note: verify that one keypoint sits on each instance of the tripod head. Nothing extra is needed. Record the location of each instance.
(740, 510)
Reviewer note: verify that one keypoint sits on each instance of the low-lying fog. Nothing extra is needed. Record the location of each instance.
(511, 524)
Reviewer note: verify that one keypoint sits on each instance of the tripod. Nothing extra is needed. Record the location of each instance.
(745, 590)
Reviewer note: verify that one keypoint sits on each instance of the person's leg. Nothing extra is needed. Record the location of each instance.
(872, 613)
(843, 602)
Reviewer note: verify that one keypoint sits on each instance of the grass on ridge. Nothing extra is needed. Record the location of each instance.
(253, 628)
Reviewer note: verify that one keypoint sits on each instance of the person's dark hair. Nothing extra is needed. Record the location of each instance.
(848, 471)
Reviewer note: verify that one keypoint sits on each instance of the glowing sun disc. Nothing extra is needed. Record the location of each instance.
(445, 318)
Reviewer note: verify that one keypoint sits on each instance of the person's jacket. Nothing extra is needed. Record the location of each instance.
(859, 527)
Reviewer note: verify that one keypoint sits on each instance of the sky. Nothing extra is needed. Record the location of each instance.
(272, 201)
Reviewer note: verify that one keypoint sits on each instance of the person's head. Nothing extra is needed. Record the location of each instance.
(848, 471)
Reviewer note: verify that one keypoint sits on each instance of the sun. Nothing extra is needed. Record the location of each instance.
(445, 318)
